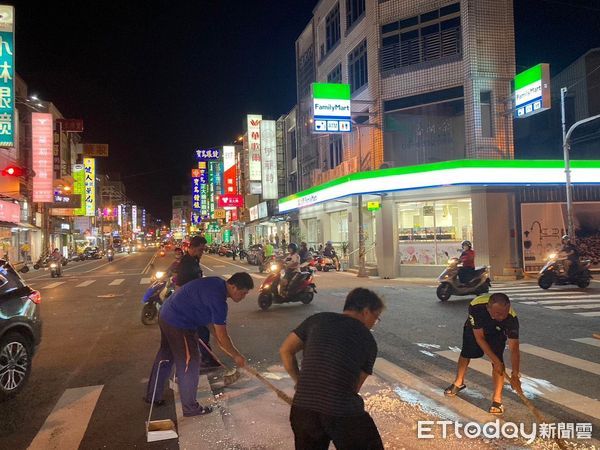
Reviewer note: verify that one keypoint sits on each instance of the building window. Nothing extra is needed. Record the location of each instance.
(357, 66)
(355, 10)
(428, 229)
(306, 71)
(335, 151)
(293, 144)
(332, 28)
(335, 76)
(431, 36)
(339, 229)
(485, 101)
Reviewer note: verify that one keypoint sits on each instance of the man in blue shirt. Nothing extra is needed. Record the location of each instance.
(194, 307)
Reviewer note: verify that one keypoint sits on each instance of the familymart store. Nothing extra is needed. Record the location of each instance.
(415, 216)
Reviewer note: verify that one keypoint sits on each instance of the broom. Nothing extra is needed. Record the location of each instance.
(536, 413)
(282, 395)
(231, 375)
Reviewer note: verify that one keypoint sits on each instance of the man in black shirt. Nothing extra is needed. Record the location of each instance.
(491, 322)
(572, 254)
(189, 267)
(339, 352)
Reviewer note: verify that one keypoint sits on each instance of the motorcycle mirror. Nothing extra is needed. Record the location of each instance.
(446, 253)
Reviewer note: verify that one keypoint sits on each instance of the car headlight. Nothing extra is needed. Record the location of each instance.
(159, 275)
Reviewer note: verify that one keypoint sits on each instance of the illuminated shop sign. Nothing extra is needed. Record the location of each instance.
(532, 91)
(331, 108)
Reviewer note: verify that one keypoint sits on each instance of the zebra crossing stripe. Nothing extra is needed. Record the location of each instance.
(116, 282)
(588, 341)
(255, 275)
(561, 358)
(587, 306)
(555, 302)
(85, 283)
(543, 388)
(53, 285)
(589, 314)
(68, 421)
(145, 280)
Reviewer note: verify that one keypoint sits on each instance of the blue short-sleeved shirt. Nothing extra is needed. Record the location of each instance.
(197, 303)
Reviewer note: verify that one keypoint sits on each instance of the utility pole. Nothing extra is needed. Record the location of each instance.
(362, 270)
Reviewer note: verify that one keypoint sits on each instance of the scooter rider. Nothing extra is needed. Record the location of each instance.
(467, 259)
(572, 254)
(329, 252)
(292, 267)
(303, 252)
(57, 258)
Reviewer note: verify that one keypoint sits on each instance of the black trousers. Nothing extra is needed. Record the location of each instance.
(314, 431)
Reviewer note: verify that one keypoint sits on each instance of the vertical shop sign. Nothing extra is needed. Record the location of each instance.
(268, 154)
(254, 146)
(41, 151)
(89, 167)
(120, 215)
(7, 77)
(134, 218)
(229, 171)
(79, 187)
(144, 219)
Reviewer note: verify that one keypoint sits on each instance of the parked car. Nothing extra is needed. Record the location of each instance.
(255, 254)
(92, 253)
(20, 330)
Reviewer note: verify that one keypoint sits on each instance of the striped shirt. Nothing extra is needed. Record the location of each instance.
(336, 349)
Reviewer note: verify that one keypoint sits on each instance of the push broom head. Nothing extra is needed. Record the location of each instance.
(231, 376)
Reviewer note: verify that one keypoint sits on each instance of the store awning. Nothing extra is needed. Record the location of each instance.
(4, 224)
(465, 172)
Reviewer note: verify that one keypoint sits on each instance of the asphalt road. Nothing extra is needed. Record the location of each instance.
(96, 354)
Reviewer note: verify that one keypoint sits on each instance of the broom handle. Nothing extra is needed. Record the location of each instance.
(536, 413)
(211, 353)
(282, 395)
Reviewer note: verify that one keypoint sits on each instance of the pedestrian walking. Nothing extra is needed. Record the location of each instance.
(189, 267)
(491, 322)
(183, 317)
(339, 352)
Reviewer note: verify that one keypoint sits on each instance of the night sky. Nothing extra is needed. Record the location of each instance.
(157, 79)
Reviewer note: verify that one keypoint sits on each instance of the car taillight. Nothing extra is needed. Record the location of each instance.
(35, 297)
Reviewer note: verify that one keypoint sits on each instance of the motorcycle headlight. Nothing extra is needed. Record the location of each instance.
(53, 266)
(552, 256)
(273, 267)
(159, 275)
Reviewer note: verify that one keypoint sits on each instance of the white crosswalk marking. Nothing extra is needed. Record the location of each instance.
(589, 314)
(590, 306)
(85, 283)
(588, 341)
(116, 282)
(567, 360)
(145, 280)
(52, 285)
(546, 390)
(256, 275)
(556, 302)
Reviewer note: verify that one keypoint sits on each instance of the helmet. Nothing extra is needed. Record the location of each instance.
(565, 238)
(468, 243)
(329, 243)
(292, 247)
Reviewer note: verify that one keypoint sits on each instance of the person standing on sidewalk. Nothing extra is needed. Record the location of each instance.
(189, 267)
(192, 308)
(339, 352)
(491, 322)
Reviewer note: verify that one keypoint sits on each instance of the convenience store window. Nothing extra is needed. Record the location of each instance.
(428, 229)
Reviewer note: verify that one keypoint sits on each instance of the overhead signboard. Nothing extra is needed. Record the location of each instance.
(7, 77)
(532, 91)
(268, 155)
(10, 212)
(78, 174)
(134, 218)
(231, 200)
(220, 213)
(66, 201)
(263, 210)
(95, 150)
(41, 152)
(230, 185)
(89, 168)
(208, 154)
(72, 126)
(254, 166)
(373, 206)
(331, 108)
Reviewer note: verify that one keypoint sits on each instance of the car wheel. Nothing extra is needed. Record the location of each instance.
(15, 364)
(264, 301)
(149, 314)
(444, 291)
(545, 281)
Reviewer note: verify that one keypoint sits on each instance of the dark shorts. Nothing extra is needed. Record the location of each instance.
(314, 431)
(470, 348)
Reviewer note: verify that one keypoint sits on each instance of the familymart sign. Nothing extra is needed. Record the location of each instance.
(448, 173)
(532, 91)
(331, 107)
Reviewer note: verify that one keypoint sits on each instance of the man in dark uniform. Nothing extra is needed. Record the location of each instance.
(491, 322)
(195, 306)
(572, 253)
(189, 267)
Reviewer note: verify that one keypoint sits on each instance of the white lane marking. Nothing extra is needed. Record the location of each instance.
(206, 267)
(219, 266)
(226, 275)
(68, 421)
(542, 388)
(255, 275)
(226, 262)
(567, 360)
(554, 302)
(590, 314)
(53, 285)
(587, 306)
(116, 282)
(145, 280)
(546, 294)
(86, 283)
(588, 341)
(149, 263)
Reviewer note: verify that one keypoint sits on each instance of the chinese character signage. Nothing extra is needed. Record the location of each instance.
(89, 170)
(95, 150)
(71, 126)
(144, 218)
(200, 191)
(134, 218)
(236, 201)
(78, 174)
(268, 157)
(120, 215)
(7, 77)
(331, 107)
(254, 147)
(208, 155)
(532, 91)
(229, 171)
(10, 212)
(41, 157)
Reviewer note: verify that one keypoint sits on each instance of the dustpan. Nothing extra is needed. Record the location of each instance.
(159, 430)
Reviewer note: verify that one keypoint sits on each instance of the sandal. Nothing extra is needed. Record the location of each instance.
(200, 411)
(496, 409)
(453, 389)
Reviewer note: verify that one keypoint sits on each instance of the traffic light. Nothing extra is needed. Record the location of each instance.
(13, 171)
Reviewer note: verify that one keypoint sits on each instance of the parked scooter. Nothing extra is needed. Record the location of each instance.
(554, 272)
(301, 288)
(450, 284)
(324, 263)
(155, 296)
